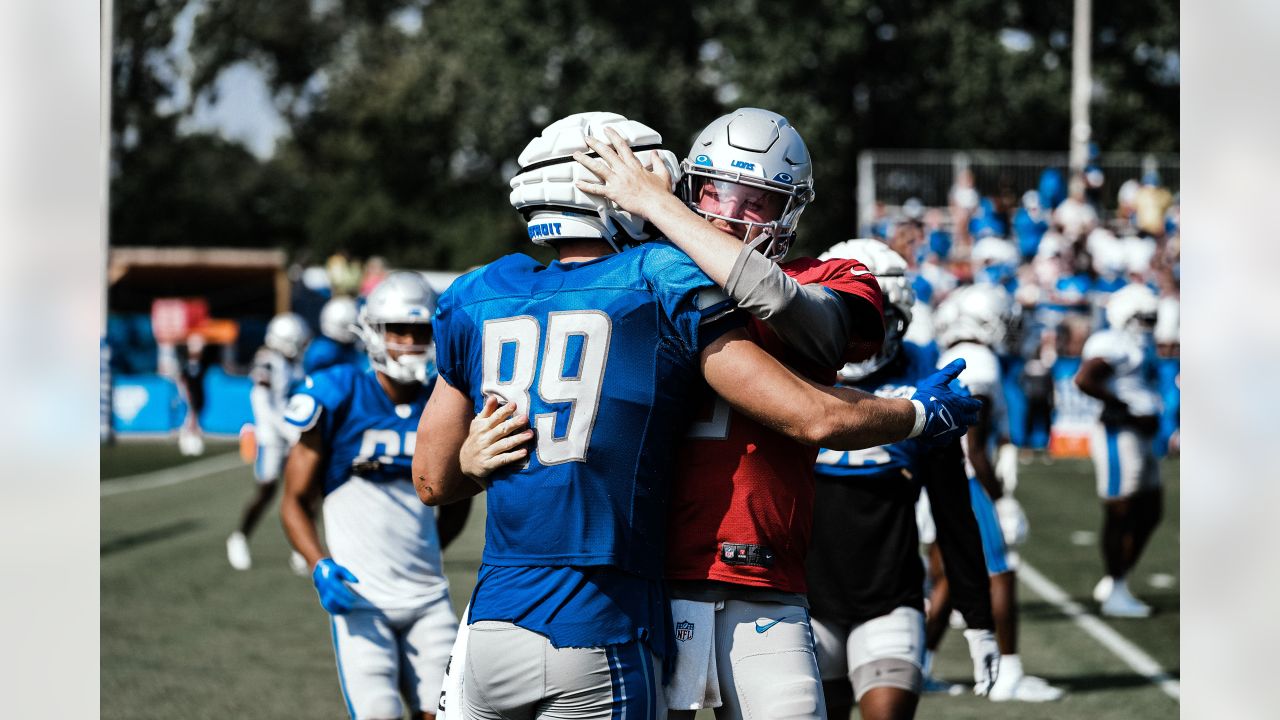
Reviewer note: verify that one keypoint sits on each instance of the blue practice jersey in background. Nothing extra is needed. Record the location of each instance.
(365, 433)
(325, 352)
(603, 355)
(901, 459)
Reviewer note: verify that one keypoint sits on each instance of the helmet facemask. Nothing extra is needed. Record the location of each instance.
(766, 210)
(403, 363)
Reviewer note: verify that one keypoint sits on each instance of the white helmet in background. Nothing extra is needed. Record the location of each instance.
(544, 191)
(402, 298)
(1133, 309)
(735, 158)
(338, 320)
(890, 270)
(978, 313)
(994, 259)
(288, 334)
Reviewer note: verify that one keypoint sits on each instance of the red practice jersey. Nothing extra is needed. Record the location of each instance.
(742, 506)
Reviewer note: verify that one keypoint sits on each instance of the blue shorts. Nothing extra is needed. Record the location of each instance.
(993, 547)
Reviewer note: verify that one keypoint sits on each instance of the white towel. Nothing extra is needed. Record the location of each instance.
(450, 705)
(695, 683)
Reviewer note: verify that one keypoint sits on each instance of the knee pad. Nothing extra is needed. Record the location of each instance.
(887, 672)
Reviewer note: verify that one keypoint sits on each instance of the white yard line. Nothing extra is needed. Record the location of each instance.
(173, 475)
(1131, 654)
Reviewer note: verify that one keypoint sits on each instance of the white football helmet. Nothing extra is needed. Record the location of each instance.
(735, 158)
(544, 191)
(288, 334)
(994, 259)
(1133, 309)
(977, 313)
(338, 320)
(401, 298)
(890, 270)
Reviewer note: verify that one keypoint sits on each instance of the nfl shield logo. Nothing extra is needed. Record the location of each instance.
(684, 631)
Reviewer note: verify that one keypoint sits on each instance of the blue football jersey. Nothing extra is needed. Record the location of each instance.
(325, 352)
(901, 459)
(603, 357)
(366, 434)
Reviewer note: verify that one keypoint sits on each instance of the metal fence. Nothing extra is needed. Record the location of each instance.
(893, 176)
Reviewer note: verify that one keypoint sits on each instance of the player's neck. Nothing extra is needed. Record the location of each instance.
(399, 393)
(582, 250)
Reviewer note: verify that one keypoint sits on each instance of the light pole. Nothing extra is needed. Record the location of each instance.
(1081, 83)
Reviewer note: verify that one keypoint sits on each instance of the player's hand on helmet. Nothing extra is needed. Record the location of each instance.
(947, 412)
(623, 177)
(986, 659)
(1013, 520)
(495, 439)
(331, 580)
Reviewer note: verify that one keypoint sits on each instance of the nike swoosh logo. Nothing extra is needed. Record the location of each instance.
(765, 628)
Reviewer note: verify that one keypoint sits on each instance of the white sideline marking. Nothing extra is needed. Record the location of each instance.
(173, 475)
(1131, 654)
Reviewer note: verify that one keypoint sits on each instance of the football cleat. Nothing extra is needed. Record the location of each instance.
(298, 564)
(238, 551)
(938, 686)
(1122, 604)
(1102, 590)
(1024, 688)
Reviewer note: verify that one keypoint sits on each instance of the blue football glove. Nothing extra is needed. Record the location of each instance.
(947, 413)
(331, 581)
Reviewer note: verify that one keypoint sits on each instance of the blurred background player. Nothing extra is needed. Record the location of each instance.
(191, 371)
(336, 343)
(1119, 368)
(972, 324)
(276, 373)
(866, 582)
(383, 578)
(742, 507)
(602, 577)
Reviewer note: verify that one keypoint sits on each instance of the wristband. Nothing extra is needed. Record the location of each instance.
(920, 418)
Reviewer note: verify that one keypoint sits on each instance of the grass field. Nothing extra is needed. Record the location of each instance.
(183, 635)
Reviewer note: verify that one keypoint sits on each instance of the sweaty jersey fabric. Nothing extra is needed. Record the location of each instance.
(603, 356)
(742, 509)
(865, 558)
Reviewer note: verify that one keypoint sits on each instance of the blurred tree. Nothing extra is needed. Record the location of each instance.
(406, 116)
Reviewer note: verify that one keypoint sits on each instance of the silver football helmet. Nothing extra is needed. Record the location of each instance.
(890, 270)
(338, 320)
(288, 334)
(1133, 309)
(977, 313)
(750, 169)
(544, 191)
(402, 298)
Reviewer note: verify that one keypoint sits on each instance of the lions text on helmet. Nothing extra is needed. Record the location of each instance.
(395, 326)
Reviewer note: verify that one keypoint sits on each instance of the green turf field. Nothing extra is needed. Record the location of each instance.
(183, 635)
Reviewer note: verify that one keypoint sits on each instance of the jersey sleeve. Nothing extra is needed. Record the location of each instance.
(325, 390)
(452, 331)
(981, 374)
(851, 281)
(698, 309)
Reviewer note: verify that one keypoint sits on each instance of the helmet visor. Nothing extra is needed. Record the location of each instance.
(736, 201)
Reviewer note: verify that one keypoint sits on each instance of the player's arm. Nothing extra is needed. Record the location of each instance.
(301, 493)
(1092, 379)
(958, 537)
(815, 321)
(760, 387)
(442, 430)
(977, 438)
